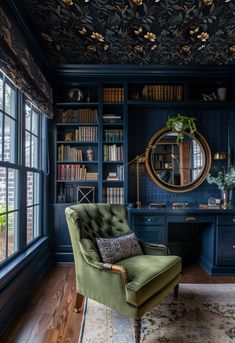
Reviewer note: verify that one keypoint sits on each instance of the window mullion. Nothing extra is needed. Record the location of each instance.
(7, 222)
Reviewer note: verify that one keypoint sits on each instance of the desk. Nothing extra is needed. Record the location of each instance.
(210, 234)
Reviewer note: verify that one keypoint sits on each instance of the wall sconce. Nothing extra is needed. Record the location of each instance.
(220, 155)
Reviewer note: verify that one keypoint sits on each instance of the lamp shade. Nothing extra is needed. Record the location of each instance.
(219, 155)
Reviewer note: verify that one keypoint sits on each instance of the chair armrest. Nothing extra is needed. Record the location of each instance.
(154, 248)
(115, 268)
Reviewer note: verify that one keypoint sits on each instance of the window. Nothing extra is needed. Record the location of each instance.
(197, 159)
(22, 155)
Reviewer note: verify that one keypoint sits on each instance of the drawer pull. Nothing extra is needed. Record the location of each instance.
(233, 220)
(188, 219)
(233, 246)
(149, 219)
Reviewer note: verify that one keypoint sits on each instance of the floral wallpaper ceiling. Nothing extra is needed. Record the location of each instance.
(137, 31)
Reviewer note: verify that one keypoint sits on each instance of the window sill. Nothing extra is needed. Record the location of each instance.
(8, 272)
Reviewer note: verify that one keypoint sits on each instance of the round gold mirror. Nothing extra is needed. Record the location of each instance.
(177, 167)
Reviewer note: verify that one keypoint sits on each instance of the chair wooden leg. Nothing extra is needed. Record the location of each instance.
(176, 291)
(137, 330)
(78, 303)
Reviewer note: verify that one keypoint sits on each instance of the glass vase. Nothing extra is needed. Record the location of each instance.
(226, 198)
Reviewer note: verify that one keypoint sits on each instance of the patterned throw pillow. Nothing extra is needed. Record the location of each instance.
(115, 249)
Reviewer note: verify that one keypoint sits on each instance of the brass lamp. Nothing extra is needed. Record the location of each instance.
(219, 155)
(138, 159)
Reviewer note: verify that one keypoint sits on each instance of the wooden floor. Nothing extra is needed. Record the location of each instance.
(48, 316)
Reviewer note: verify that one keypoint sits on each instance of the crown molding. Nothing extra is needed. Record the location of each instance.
(70, 72)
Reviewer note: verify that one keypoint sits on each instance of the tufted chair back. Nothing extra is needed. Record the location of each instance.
(101, 220)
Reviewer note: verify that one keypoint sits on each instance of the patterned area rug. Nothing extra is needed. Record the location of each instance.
(203, 313)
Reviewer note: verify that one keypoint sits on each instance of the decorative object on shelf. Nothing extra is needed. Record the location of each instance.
(226, 198)
(176, 205)
(90, 154)
(180, 124)
(75, 95)
(68, 136)
(225, 180)
(85, 194)
(221, 91)
(209, 97)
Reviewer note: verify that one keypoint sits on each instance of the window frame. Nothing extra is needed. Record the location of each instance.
(22, 170)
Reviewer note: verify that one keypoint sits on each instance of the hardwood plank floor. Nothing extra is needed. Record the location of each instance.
(49, 317)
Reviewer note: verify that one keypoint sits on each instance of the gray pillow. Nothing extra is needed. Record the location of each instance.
(115, 249)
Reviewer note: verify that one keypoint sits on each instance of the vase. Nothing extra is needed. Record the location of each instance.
(226, 197)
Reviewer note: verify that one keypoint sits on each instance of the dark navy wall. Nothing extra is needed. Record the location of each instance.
(143, 123)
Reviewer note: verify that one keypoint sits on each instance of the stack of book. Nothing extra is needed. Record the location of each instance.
(92, 176)
(68, 153)
(82, 115)
(86, 134)
(74, 172)
(112, 135)
(113, 94)
(163, 92)
(113, 195)
(112, 118)
(113, 152)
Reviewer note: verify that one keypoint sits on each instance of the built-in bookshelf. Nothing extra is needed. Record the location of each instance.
(90, 145)
(77, 147)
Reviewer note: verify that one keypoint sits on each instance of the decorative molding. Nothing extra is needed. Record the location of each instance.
(70, 71)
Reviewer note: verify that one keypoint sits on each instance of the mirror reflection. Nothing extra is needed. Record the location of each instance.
(177, 167)
(177, 164)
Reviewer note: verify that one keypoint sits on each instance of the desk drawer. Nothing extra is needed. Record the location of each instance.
(149, 220)
(151, 234)
(190, 218)
(226, 220)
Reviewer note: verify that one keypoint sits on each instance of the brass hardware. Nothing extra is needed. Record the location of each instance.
(190, 219)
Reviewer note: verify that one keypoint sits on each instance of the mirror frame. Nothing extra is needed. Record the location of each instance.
(177, 188)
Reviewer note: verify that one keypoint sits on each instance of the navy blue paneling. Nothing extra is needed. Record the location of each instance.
(17, 285)
(144, 122)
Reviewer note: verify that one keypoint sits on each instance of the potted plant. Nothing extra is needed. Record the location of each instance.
(225, 180)
(180, 124)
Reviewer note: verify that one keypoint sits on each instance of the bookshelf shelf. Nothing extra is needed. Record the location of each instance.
(77, 181)
(76, 124)
(76, 104)
(78, 142)
(75, 162)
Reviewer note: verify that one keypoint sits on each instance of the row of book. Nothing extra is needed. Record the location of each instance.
(75, 172)
(83, 134)
(67, 193)
(112, 135)
(81, 115)
(68, 153)
(113, 94)
(113, 152)
(118, 175)
(113, 195)
(162, 92)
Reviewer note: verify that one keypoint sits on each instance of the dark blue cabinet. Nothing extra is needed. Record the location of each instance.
(150, 228)
(226, 241)
(207, 237)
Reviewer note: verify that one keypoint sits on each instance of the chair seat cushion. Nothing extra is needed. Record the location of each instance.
(148, 275)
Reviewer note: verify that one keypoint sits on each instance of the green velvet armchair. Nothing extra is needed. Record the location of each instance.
(132, 286)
